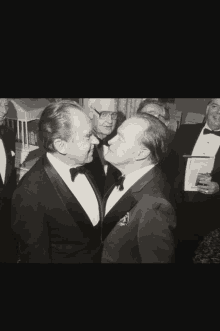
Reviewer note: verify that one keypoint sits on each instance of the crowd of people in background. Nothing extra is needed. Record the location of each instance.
(107, 189)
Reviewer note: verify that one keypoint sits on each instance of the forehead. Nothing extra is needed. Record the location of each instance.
(80, 122)
(215, 101)
(133, 128)
(103, 104)
(153, 109)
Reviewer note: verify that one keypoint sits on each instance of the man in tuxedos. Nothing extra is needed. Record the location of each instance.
(105, 119)
(197, 212)
(139, 219)
(56, 209)
(7, 186)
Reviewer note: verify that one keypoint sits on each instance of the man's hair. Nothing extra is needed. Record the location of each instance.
(164, 108)
(156, 137)
(55, 123)
(209, 249)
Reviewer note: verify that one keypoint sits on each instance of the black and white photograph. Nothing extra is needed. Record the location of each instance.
(109, 180)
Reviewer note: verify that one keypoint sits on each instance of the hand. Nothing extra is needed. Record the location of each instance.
(208, 188)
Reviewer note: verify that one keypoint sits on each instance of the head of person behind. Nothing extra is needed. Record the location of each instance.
(140, 141)
(212, 117)
(66, 132)
(155, 108)
(3, 110)
(104, 116)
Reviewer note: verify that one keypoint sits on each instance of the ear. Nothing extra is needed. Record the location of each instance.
(143, 154)
(60, 146)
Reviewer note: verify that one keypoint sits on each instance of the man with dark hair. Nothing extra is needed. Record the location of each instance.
(197, 210)
(155, 108)
(56, 209)
(139, 218)
(7, 185)
(105, 119)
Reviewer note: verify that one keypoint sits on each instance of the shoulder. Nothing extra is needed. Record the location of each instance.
(185, 128)
(33, 182)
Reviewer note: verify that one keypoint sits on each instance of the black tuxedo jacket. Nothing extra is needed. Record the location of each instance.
(7, 252)
(49, 223)
(145, 235)
(183, 144)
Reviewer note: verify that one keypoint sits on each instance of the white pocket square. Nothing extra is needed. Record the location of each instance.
(125, 220)
(12, 153)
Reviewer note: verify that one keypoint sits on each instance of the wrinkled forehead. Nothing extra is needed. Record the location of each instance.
(133, 128)
(103, 104)
(153, 109)
(215, 101)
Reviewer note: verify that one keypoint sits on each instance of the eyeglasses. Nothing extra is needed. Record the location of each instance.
(104, 114)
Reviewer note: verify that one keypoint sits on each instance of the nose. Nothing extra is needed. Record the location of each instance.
(109, 118)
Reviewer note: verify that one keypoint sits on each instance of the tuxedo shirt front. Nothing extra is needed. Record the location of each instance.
(81, 188)
(3, 161)
(130, 179)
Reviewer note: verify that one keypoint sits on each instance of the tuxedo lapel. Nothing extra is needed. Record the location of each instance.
(96, 170)
(217, 162)
(186, 148)
(126, 203)
(191, 138)
(69, 201)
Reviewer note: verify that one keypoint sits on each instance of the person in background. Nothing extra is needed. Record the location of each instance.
(197, 212)
(7, 185)
(155, 108)
(139, 218)
(105, 119)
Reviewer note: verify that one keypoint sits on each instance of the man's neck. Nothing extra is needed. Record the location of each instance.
(213, 127)
(65, 160)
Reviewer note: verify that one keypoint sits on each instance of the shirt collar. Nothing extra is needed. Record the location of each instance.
(140, 172)
(60, 166)
(207, 127)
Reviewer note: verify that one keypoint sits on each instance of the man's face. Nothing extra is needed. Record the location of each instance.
(213, 114)
(3, 112)
(80, 146)
(155, 111)
(105, 125)
(126, 145)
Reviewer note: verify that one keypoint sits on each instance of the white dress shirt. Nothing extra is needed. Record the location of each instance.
(80, 188)
(130, 179)
(3, 160)
(206, 145)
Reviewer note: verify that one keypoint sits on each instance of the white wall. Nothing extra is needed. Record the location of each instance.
(194, 105)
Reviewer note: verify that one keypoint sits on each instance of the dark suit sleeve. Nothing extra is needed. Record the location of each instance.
(156, 243)
(30, 228)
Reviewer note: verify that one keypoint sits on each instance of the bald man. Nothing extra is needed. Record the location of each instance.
(104, 116)
(56, 208)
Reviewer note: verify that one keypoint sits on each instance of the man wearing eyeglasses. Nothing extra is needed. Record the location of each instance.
(104, 116)
(7, 185)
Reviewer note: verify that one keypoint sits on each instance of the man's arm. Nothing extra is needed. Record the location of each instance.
(29, 228)
(155, 237)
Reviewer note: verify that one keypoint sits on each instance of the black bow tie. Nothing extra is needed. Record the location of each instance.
(75, 171)
(102, 142)
(207, 131)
